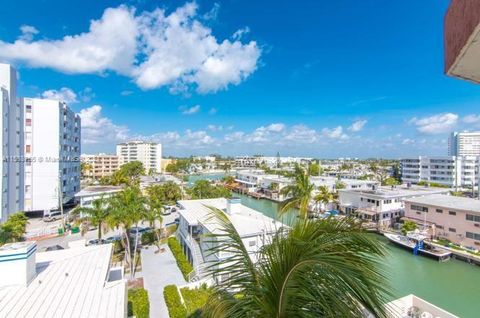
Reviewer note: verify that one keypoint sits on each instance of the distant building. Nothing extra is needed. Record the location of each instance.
(464, 144)
(101, 165)
(12, 150)
(91, 193)
(271, 162)
(383, 206)
(74, 282)
(52, 153)
(148, 153)
(165, 162)
(451, 171)
(454, 218)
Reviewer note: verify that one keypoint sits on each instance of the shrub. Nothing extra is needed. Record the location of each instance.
(172, 298)
(182, 262)
(195, 299)
(138, 304)
(148, 238)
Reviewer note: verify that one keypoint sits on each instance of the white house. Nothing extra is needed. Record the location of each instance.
(52, 153)
(250, 179)
(196, 224)
(92, 193)
(383, 205)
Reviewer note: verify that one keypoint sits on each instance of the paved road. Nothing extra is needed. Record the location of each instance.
(159, 270)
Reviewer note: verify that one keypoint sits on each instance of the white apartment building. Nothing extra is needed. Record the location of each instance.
(148, 153)
(271, 162)
(100, 165)
(196, 223)
(11, 134)
(52, 153)
(464, 144)
(452, 171)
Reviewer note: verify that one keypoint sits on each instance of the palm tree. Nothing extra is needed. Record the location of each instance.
(299, 194)
(128, 209)
(317, 268)
(323, 196)
(97, 214)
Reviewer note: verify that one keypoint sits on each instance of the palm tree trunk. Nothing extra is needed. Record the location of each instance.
(99, 230)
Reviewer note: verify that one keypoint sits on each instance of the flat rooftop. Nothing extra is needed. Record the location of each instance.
(69, 283)
(401, 191)
(94, 190)
(246, 221)
(448, 202)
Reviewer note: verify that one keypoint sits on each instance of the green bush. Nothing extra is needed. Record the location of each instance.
(148, 238)
(138, 304)
(195, 299)
(172, 298)
(182, 262)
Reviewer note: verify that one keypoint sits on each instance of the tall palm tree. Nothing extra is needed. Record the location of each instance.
(317, 268)
(324, 195)
(97, 214)
(299, 194)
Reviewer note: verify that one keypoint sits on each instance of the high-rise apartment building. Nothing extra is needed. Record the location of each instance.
(148, 153)
(452, 171)
(11, 151)
(464, 144)
(100, 165)
(52, 153)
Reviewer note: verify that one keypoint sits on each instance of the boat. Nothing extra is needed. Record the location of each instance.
(418, 243)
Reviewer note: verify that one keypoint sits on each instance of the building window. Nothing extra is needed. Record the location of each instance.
(419, 208)
(439, 227)
(451, 229)
(452, 212)
(28, 108)
(474, 236)
(28, 122)
(28, 148)
(252, 243)
(473, 218)
(439, 210)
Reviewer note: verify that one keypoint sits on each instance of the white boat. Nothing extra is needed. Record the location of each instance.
(417, 243)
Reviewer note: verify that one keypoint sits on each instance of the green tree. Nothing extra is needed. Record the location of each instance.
(85, 168)
(339, 185)
(204, 189)
(408, 226)
(14, 228)
(132, 170)
(97, 214)
(314, 169)
(321, 268)
(168, 193)
(391, 181)
(324, 195)
(299, 194)
(228, 179)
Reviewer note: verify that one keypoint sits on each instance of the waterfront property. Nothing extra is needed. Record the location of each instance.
(332, 182)
(454, 218)
(74, 282)
(91, 193)
(249, 180)
(414, 306)
(383, 206)
(196, 224)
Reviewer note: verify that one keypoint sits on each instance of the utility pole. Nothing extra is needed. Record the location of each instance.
(60, 198)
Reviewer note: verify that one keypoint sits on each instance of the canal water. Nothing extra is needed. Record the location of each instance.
(453, 285)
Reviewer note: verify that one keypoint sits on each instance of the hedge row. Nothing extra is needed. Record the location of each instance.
(182, 262)
(195, 299)
(172, 298)
(138, 304)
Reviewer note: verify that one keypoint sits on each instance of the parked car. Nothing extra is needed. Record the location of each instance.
(140, 230)
(50, 216)
(54, 248)
(112, 239)
(96, 242)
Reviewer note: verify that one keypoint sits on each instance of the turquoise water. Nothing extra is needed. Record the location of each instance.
(453, 285)
(211, 176)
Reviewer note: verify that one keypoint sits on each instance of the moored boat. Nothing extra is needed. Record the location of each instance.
(417, 243)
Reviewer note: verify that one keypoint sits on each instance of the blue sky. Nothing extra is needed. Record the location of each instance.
(341, 78)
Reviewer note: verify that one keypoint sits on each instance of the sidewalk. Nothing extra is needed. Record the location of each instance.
(159, 270)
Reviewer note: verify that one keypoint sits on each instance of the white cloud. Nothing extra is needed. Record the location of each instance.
(126, 93)
(65, 94)
(87, 94)
(276, 127)
(28, 32)
(153, 48)
(190, 110)
(435, 124)
(408, 141)
(215, 127)
(357, 125)
(240, 33)
(97, 129)
(213, 111)
(301, 134)
(471, 119)
(334, 133)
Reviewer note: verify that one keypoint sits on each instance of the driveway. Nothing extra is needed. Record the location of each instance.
(158, 271)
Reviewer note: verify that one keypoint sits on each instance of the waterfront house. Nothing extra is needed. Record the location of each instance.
(196, 223)
(382, 206)
(249, 180)
(454, 218)
(74, 282)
